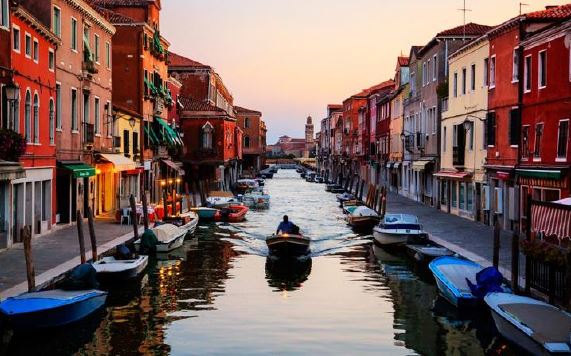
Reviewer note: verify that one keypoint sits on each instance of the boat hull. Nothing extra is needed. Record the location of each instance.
(59, 316)
(205, 213)
(288, 246)
(388, 239)
(363, 222)
(426, 253)
(171, 245)
(513, 334)
(122, 270)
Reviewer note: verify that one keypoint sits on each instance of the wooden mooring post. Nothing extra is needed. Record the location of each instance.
(496, 255)
(134, 216)
(515, 262)
(79, 219)
(145, 211)
(92, 237)
(187, 193)
(30, 272)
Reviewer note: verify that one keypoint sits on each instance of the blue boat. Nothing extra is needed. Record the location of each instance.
(205, 213)
(52, 308)
(450, 274)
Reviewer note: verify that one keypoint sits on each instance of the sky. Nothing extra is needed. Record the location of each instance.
(290, 58)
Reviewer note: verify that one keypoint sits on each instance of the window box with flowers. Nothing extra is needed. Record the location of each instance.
(12, 145)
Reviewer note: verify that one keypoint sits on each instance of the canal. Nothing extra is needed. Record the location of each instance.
(222, 294)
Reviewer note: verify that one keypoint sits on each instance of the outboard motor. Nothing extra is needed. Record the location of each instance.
(82, 277)
(488, 280)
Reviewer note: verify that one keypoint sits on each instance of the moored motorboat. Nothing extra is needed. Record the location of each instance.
(169, 237)
(533, 325)
(113, 269)
(220, 199)
(256, 200)
(397, 229)
(329, 187)
(424, 253)
(245, 185)
(350, 205)
(205, 213)
(363, 217)
(233, 213)
(344, 197)
(450, 274)
(187, 221)
(288, 245)
(52, 308)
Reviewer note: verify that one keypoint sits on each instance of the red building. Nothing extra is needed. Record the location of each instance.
(545, 158)
(32, 57)
(352, 132)
(503, 121)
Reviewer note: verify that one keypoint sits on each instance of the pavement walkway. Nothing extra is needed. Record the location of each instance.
(56, 253)
(470, 239)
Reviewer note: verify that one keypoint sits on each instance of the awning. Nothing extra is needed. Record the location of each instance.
(151, 133)
(174, 166)
(80, 170)
(540, 173)
(453, 175)
(134, 172)
(551, 219)
(420, 165)
(397, 165)
(389, 164)
(120, 162)
(11, 170)
(170, 134)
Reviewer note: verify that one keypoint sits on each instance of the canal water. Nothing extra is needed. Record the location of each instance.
(222, 294)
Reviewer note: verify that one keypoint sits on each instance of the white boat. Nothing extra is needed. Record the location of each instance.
(535, 326)
(187, 221)
(112, 268)
(169, 237)
(397, 229)
(363, 217)
(256, 199)
(221, 199)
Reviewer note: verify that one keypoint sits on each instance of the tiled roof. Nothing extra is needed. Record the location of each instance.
(551, 13)
(122, 3)
(402, 61)
(241, 110)
(191, 104)
(176, 60)
(335, 106)
(470, 29)
(109, 15)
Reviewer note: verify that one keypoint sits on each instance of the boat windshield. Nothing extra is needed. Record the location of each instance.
(401, 221)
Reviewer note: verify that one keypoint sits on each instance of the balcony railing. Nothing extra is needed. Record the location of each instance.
(88, 133)
(458, 155)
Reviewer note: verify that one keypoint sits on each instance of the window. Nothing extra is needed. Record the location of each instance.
(207, 136)
(73, 34)
(470, 197)
(473, 77)
(527, 74)
(428, 68)
(36, 50)
(97, 118)
(434, 68)
(455, 87)
(96, 48)
(542, 69)
(126, 145)
(493, 72)
(247, 123)
(4, 17)
(58, 106)
(87, 42)
(453, 190)
(515, 66)
(515, 124)
(471, 137)
(74, 110)
(424, 74)
(52, 123)
(28, 117)
(16, 38)
(464, 81)
(563, 139)
(537, 143)
(246, 142)
(56, 22)
(486, 71)
(108, 55)
(51, 60)
(491, 128)
(135, 143)
(444, 139)
(524, 142)
(109, 120)
(28, 44)
(462, 195)
(36, 119)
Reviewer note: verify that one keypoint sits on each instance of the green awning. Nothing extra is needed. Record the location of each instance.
(540, 173)
(80, 170)
(151, 133)
(171, 135)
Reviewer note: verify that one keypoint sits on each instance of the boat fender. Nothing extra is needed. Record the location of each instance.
(82, 277)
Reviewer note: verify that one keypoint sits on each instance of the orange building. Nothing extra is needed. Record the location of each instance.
(254, 138)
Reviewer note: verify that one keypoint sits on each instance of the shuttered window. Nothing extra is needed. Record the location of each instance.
(491, 128)
(515, 126)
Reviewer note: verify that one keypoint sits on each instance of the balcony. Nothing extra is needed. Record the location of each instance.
(88, 133)
(458, 153)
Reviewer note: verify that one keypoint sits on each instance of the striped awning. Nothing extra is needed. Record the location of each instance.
(551, 219)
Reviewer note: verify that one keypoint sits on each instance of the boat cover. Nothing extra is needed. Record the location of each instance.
(488, 280)
(364, 211)
(166, 232)
(458, 274)
(38, 301)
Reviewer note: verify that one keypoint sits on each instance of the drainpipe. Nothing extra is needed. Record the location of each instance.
(520, 99)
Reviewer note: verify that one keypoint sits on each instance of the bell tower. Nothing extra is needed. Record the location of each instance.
(309, 134)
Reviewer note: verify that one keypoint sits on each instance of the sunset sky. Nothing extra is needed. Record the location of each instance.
(290, 58)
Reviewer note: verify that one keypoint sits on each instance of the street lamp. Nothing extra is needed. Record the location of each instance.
(12, 95)
(132, 122)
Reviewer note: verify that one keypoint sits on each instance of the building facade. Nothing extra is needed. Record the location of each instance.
(254, 139)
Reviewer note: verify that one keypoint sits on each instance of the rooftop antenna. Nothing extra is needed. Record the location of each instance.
(464, 10)
(521, 5)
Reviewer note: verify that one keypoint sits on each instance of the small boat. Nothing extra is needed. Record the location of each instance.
(427, 252)
(397, 229)
(344, 197)
(205, 213)
(187, 221)
(330, 187)
(220, 199)
(337, 190)
(303, 174)
(265, 174)
(318, 179)
(110, 268)
(288, 245)
(52, 308)
(299, 170)
(245, 185)
(533, 325)
(233, 213)
(310, 177)
(169, 237)
(256, 200)
(261, 182)
(363, 217)
(350, 205)
(450, 274)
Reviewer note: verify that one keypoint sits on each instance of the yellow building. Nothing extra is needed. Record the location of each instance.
(463, 151)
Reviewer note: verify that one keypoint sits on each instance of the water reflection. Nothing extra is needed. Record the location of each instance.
(287, 274)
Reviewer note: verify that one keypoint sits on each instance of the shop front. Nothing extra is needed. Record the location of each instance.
(126, 181)
(75, 187)
(8, 172)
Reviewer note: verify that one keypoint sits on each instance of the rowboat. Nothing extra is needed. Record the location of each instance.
(233, 213)
(350, 205)
(533, 325)
(288, 245)
(205, 213)
(52, 308)
(363, 217)
(169, 237)
(427, 252)
(397, 229)
(450, 274)
(111, 268)
(187, 221)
